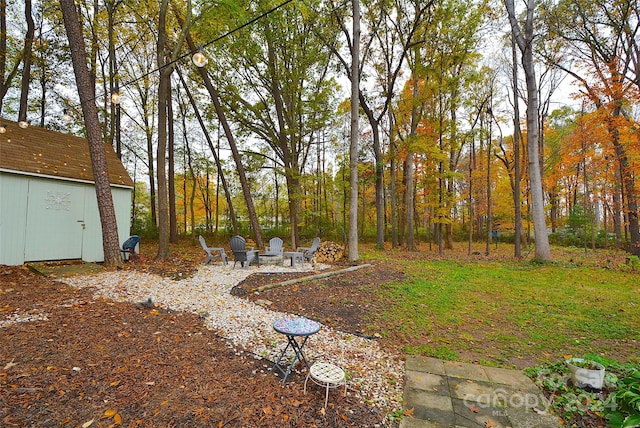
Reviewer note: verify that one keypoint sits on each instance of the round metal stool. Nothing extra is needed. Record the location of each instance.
(328, 376)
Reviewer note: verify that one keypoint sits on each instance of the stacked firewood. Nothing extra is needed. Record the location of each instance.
(329, 252)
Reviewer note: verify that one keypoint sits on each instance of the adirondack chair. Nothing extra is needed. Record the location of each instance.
(307, 252)
(275, 248)
(131, 248)
(240, 253)
(212, 252)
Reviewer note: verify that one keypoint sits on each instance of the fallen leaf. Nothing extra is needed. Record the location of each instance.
(10, 364)
(295, 403)
(323, 411)
(408, 412)
(108, 413)
(117, 419)
(474, 409)
(115, 383)
(490, 424)
(87, 424)
(266, 410)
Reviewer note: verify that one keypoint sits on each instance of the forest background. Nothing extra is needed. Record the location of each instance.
(232, 116)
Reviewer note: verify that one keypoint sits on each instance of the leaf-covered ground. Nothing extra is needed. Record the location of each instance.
(70, 360)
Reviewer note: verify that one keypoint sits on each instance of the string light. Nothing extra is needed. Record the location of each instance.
(199, 54)
(23, 124)
(3, 128)
(115, 96)
(199, 59)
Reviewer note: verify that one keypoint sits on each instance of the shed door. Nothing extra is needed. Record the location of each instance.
(55, 221)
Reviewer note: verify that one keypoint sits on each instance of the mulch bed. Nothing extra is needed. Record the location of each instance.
(100, 363)
(343, 301)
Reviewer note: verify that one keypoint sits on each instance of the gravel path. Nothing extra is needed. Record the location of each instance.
(374, 375)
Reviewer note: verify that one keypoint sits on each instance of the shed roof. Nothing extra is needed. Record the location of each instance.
(39, 151)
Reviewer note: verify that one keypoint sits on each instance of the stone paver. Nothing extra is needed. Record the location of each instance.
(444, 394)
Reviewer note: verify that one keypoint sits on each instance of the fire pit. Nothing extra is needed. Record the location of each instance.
(270, 259)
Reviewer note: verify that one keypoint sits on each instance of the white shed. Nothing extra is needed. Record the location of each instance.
(48, 204)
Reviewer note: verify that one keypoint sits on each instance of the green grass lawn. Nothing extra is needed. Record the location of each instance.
(512, 313)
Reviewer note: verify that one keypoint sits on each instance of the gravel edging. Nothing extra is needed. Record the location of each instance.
(308, 278)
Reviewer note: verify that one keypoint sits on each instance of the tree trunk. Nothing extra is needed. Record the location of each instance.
(5, 83)
(379, 167)
(470, 197)
(409, 167)
(489, 200)
(525, 44)
(151, 175)
(86, 91)
(393, 185)
(628, 183)
(616, 209)
(171, 176)
(517, 240)
(161, 154)
(355, 132)
(26, 68)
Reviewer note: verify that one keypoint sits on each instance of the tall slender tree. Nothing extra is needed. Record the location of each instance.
(525, 41)
(166, 58)
(26, 67)
(86, 91)
(354, 132)
(6, 78)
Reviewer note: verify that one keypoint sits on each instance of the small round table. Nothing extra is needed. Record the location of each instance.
(297, 330)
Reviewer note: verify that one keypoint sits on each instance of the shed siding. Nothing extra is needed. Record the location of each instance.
(13, 218)
(53, 210)
(92, 249)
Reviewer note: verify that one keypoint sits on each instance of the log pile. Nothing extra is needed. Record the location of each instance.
(329, 252)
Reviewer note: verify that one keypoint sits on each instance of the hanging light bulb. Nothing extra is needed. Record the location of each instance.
(199, 59)
(23, 124)
(65, 116)
(115, 96)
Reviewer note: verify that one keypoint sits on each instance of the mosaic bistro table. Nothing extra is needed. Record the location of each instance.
(297, 330)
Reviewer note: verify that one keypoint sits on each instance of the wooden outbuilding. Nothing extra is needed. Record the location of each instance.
(48, 203)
